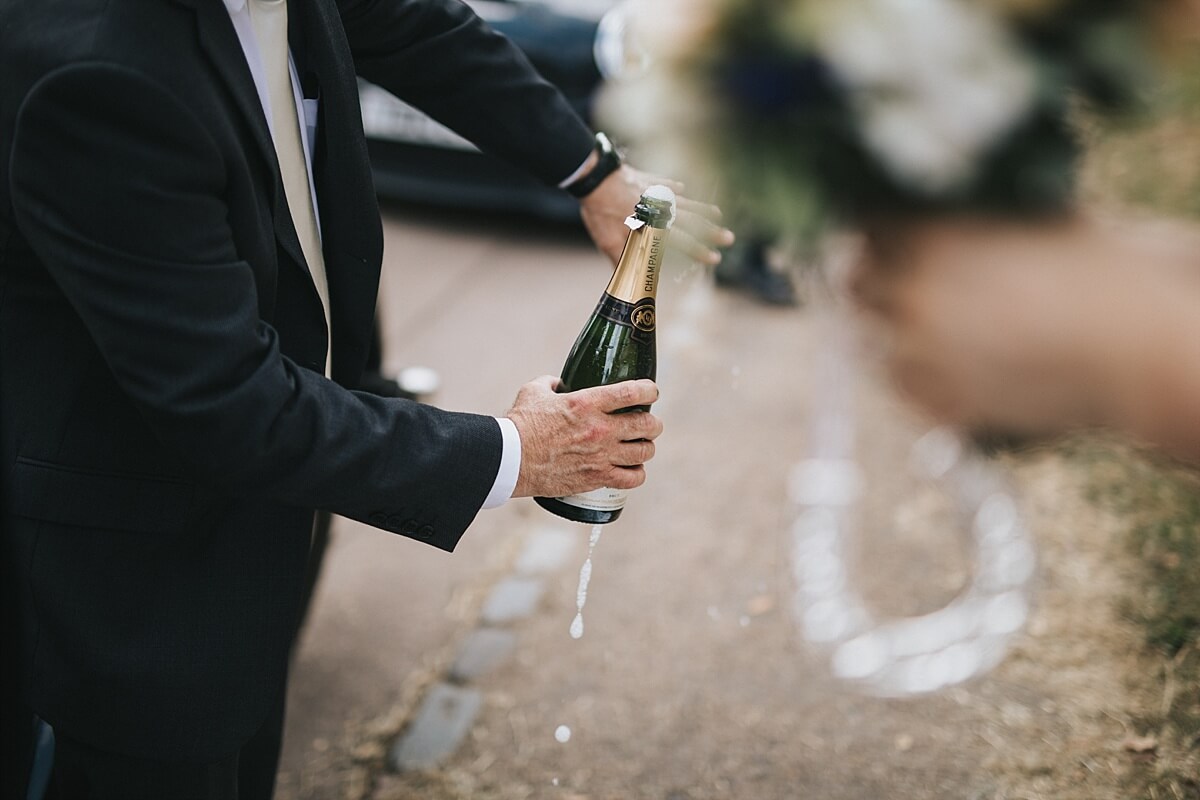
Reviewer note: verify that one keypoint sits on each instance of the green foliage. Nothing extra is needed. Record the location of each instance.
(1160, 507)
(814, 147)
(1153, 162)
(1168, 540)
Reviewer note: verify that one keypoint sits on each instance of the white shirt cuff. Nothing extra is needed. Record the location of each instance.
(510, 465)
(576, 175)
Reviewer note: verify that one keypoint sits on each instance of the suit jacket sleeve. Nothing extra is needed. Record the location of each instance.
(119, 190)
(439, 56)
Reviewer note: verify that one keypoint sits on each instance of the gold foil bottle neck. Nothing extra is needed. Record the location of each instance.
(636, 276)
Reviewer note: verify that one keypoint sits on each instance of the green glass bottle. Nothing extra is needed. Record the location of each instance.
(617, 343)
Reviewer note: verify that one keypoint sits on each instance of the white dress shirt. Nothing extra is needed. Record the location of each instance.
(306, 112)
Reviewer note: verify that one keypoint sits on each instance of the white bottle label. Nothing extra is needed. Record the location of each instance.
(603, 499)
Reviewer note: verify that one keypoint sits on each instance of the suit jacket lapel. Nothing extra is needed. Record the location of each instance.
(219, 40)
(352, 236)
(350, 224)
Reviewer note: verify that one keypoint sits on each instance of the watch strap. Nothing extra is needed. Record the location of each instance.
(607, 162)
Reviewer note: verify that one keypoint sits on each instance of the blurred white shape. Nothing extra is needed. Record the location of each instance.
(915, 677)
(935, 82)
(826, 621)
(828, 482)
(996, 517)
(618, 49)
(1014, 565)
(822, 574)
(861, 657)
(816, 527)
(1006, 613)
(910, 655)
(936, 453)
(421, 381)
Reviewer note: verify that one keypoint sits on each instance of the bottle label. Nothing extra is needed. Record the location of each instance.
(639, 316)
(603, 499)
(636, 276)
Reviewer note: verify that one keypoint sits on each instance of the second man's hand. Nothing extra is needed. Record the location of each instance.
(572, 442)
(698, 232)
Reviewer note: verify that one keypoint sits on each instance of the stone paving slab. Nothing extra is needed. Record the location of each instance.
(512, 599)
(443, 720)
(547, 550)
(483, 650)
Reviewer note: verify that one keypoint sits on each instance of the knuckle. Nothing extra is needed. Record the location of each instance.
(632, 478)
(575, 403)
(618, 478)
(652, 426)
(597, 430)
(624, 394)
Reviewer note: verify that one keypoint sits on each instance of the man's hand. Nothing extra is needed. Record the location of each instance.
(572, 442)
(697, 231)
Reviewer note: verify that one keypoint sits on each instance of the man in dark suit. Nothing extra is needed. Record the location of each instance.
(167, 425)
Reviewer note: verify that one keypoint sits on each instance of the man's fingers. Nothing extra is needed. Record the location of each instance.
(545, 385)
(708, 211)
(632, 454)
(637, 425)
(626, 477)
(617, 396)
(699, 239)
(693, 249)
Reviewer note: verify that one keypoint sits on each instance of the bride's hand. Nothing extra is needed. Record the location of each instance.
(1036, 329)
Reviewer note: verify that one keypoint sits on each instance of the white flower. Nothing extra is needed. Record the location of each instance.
(933, 82)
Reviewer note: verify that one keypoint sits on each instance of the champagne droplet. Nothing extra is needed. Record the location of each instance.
(577, 626)
(562, 734)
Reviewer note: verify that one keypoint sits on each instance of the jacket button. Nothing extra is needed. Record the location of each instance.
(409, 527)
(426, 532)
(393, 522)
(378, 519)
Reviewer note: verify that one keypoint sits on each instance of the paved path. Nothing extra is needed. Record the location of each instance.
(489, 305)
(689, 682)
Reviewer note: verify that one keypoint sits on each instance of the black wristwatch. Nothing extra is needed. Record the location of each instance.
(606, 164)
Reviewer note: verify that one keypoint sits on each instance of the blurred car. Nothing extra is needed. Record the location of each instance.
(574, 44)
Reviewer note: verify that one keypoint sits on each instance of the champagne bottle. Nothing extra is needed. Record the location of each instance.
(617, 343)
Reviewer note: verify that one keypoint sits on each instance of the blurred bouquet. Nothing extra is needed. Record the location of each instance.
(814, 113)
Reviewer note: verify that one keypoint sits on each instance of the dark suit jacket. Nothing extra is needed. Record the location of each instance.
(164, 431)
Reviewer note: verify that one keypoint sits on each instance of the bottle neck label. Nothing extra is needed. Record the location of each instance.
(639, 316)
(636, 276)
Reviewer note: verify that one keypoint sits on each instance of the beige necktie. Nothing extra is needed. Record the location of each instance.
(269, 18)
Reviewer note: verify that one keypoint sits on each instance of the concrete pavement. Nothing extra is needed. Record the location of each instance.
(690, 681)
